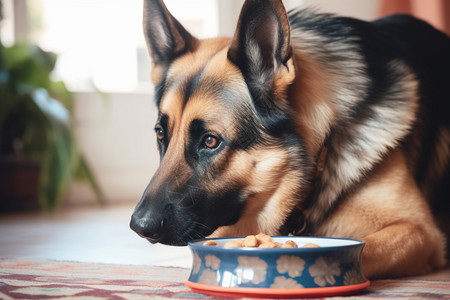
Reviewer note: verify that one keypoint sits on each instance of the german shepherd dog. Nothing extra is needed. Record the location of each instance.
(303, 124)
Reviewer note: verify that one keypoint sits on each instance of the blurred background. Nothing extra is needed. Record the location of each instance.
(101, 58)
(77, 117)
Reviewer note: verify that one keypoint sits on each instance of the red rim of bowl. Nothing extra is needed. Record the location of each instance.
(269, 292)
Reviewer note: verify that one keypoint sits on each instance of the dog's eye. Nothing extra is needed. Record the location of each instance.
(211, 141)
(159, 133)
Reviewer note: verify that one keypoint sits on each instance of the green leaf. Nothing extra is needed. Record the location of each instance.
(55, 174)
(58, 90)
(43, 125)
(29, 64)
(61, 152)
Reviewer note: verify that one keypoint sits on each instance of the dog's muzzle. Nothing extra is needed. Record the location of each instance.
(150, 220)
(148, 227)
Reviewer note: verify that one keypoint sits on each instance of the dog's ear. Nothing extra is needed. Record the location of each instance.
(261, 47)
(166, 38)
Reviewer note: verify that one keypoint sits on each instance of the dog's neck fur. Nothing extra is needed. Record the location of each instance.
(310, 99)
(321, 100)
(281, 210)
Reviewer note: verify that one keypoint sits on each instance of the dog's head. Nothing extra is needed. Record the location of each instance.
(229, 154)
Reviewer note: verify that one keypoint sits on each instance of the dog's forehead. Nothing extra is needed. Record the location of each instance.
(203, 88)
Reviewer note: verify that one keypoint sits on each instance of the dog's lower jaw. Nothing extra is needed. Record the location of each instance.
(249, 223)
(265, 212)
(180, 241)
(238, 230)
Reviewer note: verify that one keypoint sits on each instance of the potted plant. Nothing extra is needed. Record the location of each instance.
(36, 131)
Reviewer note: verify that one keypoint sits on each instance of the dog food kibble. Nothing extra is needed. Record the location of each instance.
(210, 243)
(235, 243)
(310, 245)
(259, 241)
(270, 245)
(289, 244)
(251, 241)
(264, 238)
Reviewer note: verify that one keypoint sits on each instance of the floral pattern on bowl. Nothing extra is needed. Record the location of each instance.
(335, 263)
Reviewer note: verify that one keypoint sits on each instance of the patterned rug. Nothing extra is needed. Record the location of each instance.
(72, 280)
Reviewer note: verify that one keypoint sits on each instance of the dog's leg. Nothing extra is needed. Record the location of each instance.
(401, 249)
(391, 215)
(408, 241)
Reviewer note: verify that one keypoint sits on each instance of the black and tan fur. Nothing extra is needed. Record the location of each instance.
(302, 123)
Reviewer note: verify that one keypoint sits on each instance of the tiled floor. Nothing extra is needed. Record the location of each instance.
(100, 235)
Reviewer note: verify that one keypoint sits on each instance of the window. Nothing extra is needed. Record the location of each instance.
(100, 42)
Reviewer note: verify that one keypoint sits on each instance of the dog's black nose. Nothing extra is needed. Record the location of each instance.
(150, 229)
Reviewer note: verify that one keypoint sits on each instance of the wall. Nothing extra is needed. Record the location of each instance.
(116, 136)
(362, 9)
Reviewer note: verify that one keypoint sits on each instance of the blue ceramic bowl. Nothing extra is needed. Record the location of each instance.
(335, 263)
